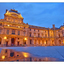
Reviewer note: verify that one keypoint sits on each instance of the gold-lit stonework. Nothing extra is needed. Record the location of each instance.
(14, 32)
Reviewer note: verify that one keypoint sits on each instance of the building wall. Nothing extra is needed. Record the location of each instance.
(23, 34)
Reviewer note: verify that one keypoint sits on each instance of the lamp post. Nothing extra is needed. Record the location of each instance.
(5, 39)
(25, 39)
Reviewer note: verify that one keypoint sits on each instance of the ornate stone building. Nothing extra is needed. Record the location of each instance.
(14, 32)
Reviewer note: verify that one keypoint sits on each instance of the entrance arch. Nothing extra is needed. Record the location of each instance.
(0, 41)
(12, 41)
(59, 42)
(6, 43)
(30, 41)
(24, 42)
(18, 43)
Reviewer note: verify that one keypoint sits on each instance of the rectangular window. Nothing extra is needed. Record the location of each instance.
(30, 34)
(18, 32)
(30, 29)
(0, 31)
(38, 35)
(7, 31)
(24, 33)
(13, 31)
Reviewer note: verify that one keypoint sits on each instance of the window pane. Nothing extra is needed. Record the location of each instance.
(13, 31)
(7, 31)
(18, 32)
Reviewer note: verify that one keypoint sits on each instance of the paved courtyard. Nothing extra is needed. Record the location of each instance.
(49, 51)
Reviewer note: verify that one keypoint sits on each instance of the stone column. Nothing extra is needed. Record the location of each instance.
(16, 32)
(41, 42)
(33, 41)
(27, 41)
(2, 41)
(8, 52)
(9, 42)
(50, 42)
(16, 41)
(57, 42)
(21, 41)
(37, 42)
(10, 31)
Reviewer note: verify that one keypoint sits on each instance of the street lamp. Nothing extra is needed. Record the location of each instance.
(3, 57)
(25, 38)
(5, 39)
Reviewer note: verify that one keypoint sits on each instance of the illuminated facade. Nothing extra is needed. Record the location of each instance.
(14, 32)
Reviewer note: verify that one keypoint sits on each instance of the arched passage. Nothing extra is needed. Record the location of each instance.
(12, 41)
(30, 41)
(0, 41)
(59, 42)
(52, 42)
(24, 42)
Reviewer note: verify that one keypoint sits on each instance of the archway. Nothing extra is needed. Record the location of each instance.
(12, 41)
(24, 42)
(0, 41)
(18, 43)
(6, 43)
(53, 42)
(30, 41)
(42, 42)
(59, 42)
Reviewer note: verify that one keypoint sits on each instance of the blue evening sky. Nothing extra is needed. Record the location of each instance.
(38, 14)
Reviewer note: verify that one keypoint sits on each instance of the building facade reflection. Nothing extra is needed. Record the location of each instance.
(12, 55)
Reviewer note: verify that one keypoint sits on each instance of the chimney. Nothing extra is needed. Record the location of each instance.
(6, 10)
(53, 26)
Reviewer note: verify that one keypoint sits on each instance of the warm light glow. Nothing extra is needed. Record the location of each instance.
(44, 42)
(63, 41)
(8, 25)
(25, 38)
(5, 37)
(34, 36)
(3, 57)
(18, 26)
(25, 54)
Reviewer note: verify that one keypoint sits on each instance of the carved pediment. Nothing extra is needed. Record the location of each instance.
(14, 15)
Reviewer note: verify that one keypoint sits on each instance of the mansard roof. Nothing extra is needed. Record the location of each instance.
(14, 11)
